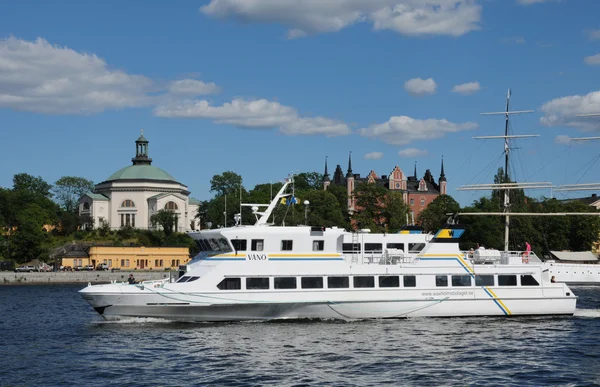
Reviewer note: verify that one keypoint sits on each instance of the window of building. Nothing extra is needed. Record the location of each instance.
(177, 261)
(399, 246)
(257, 283)
(351, 247)
(122, 263)
(284, 282)
(373, 248)
(364, 281)
(156, 263)
(161, 263)
(412, 201)
(528, 280)
(172, 263)
(239, 244)
(422, 201)
(110, 263)
(415, 247)
(86, 206)
(507, 280)
(461, 280)
(389, 281)
(127, 203)
(338, 282)
(171, 206)
(484, 280)
(441, 280)
(230, 284)
(286, 245)
(257, 244)
(127, 263)
(410, 281)
(311, 282)
(318, 245)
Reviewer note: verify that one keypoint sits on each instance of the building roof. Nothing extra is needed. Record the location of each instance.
(141, 172)
(164, 195)
(574, 255)
(95, 196)
(195, 202)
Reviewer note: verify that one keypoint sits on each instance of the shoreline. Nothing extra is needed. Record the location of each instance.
(78, 277)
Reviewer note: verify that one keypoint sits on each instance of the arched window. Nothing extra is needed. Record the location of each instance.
(127, 203)
(86, 206)
(171, 206)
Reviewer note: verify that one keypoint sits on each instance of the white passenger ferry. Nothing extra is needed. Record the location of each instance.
(263, 272)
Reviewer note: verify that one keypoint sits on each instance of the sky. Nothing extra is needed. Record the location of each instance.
(266, 88)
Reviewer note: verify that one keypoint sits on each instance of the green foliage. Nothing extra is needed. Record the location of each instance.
(225, 183)
(378, 209)
(434, 216)
(308, 181)
(165, 219)
(31, 184)
(68, 189)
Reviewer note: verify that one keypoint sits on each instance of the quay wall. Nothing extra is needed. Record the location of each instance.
(77, 277)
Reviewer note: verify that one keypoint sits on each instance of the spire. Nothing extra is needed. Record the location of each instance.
(442, 174)
(415, 170)
(349, 174)
(326, 174)
(141, 151)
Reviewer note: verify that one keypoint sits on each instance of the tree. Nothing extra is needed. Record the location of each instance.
(68, 190)
(165, 219)
(378, 209)
(308, 181)
(434, 216)
(26, 244)
(225, 183)
(34, 185)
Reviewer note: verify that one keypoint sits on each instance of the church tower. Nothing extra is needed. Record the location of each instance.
(350, 185)
(443, 182)
(326, 179)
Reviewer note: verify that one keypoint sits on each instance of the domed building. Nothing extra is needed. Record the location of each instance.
(131, 195)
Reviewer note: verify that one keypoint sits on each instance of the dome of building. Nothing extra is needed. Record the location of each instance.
(141, 172)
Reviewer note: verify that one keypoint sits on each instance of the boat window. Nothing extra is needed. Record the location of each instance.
(285, 283)
(257, 244)
(214, 245)
(415, 247)
(230, 284)
(399, 246)
(286, 245)
(507, 280)
(239, 244)
(257, 283)
(410, 281)
(373, 248)
(338, 282)
(528, 280)
(311, 282)
(364, 282)
(484, 280)
(192, 279)
(389, 281)
(441, 280)
(461, 280)
(202, 245)
(350, 247)
(223, 245)
(318, 245)
(183, 279)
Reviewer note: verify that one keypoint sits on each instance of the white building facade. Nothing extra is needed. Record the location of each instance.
(130, 196)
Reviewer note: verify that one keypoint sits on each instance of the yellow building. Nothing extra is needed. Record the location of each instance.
(130, 258)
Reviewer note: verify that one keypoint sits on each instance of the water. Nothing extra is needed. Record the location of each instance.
(50, 336)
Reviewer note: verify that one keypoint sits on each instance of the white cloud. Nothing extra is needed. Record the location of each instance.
(192, 87)
(563, 111)
(408, 17)
(254, 114)
(412, 152)
(593, 34)
(374, 156)
(420, 87)
(467, 88)
(592, 60)
(37, 76)
(562, 139)
(402, 130)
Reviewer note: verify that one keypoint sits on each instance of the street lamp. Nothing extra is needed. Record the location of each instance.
(306, 203)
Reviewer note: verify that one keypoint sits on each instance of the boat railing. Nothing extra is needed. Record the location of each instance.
(386, 257)
(493, 256)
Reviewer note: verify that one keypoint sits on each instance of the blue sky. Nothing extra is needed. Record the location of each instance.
(268, 87)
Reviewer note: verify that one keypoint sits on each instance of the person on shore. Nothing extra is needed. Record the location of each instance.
(131, 279)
